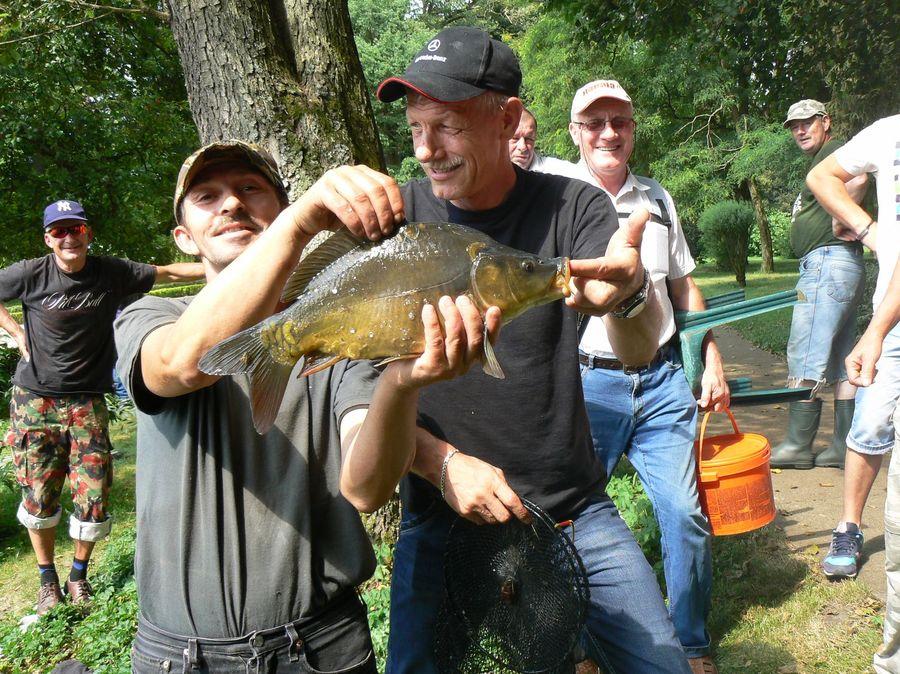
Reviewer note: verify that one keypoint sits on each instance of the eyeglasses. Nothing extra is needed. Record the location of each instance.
(62, 232)
(599, 125)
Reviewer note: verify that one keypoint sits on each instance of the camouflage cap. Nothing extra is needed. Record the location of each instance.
(225, 151)
(804, 110)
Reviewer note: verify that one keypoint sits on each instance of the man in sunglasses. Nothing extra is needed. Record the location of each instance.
(650, 412)
(58, 414)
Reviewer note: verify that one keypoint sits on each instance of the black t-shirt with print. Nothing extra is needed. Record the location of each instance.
(69, 318)
(533, 424)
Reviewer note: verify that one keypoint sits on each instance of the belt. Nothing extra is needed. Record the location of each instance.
(598, 362)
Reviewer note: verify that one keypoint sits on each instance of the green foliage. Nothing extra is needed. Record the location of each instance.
(100, 637)
(725, 230)
(9, 358)
(780, 228)
(376, 593)
(96, 113)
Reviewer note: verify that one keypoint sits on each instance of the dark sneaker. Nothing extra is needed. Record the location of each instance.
(79, 591)
(842, 560)
(48, 596)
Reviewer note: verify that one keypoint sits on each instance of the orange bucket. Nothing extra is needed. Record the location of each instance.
(734, 480)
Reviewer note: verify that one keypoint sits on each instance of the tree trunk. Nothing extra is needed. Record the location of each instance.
(762, 222)
(284, 74)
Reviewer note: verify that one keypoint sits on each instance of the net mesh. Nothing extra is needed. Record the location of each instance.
(516, 598)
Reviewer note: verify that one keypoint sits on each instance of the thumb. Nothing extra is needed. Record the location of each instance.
(634, 228)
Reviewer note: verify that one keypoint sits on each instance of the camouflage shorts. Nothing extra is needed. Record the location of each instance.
(55, 437)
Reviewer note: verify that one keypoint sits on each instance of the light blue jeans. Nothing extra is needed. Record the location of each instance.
(872, 430)
(651, 415)
(628, 629)
(823, 326)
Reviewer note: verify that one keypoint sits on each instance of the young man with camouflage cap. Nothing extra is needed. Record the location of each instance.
(58, 414)
(250, 547)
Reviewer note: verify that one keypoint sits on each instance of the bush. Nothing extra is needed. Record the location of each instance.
(780, 228)
(725, 232)
(9, 358)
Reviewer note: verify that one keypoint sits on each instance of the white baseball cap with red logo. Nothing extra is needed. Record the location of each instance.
(594, 91)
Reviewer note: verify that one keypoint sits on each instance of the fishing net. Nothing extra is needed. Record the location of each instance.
(516, 598)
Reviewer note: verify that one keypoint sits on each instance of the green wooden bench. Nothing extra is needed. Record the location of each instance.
(727, 308)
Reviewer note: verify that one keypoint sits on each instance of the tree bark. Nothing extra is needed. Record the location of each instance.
(762, 222)
(284, 74)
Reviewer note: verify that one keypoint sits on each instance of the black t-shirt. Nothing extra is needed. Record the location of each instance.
(69, 320)
(533, 424)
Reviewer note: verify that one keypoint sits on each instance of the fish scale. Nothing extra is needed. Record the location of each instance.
(361, 299)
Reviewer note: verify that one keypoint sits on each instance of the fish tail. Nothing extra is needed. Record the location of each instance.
(245, 353)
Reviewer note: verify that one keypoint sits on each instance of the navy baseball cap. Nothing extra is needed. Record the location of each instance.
(63, 209)
(457, 64)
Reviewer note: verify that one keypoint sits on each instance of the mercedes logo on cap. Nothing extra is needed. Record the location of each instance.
(434, 45)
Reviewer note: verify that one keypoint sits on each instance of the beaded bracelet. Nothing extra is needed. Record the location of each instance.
(450, 455)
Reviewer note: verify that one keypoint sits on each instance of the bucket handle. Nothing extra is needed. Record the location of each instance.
(703, 431)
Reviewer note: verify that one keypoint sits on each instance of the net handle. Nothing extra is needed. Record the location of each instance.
(703, 431)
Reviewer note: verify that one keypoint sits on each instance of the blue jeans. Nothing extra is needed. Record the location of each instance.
(872, 430)
(823, 326)
(651, 414)
(627, 631)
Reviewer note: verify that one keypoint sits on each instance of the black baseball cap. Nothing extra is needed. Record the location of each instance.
(457, 64)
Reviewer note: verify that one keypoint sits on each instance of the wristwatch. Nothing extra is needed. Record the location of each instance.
(635, 304)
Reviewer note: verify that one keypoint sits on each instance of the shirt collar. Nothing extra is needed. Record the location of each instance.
(631, 181)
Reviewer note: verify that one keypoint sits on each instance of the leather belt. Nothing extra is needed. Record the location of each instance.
(598, 362)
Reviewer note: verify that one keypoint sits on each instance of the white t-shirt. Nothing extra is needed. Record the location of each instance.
(557, 167)
(664, 250)
(876, 149)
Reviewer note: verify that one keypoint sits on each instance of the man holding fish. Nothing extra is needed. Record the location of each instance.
(247, 555)
(484, 444)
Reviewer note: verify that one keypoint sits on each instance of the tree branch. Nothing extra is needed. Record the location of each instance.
(142, 9)
(54, 30)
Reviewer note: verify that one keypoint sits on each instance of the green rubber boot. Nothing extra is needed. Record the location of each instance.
(796, 449)
(833, 457)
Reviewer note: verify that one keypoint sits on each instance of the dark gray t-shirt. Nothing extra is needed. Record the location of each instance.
(533, 424)
(236, 531)
(68, 320)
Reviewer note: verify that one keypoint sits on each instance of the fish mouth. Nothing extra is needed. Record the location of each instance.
(563, 276)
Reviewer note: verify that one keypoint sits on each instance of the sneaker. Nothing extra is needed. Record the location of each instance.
(842, 560)
(79, 591)
(703, 665)
(48, 596)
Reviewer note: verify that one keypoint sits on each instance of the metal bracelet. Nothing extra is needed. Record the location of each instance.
(450, 455)
(862, 234)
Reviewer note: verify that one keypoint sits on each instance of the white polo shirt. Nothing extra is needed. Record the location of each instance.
(664, 252)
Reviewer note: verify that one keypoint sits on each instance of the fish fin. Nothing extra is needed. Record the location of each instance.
(244, 353)
(314, 364)
(489, 363)
(385, 361)
(338, 244)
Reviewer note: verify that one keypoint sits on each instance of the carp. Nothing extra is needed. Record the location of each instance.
(361, 299)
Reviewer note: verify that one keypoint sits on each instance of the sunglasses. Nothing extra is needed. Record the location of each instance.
(62, 232)
(598, 125)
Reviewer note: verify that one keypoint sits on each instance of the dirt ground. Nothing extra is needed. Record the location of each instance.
(808, 501)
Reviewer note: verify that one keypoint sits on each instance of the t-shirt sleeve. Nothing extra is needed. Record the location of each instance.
(12, 281)
(131, 329)
(681, 262)
(134, 277)
(860, 153)
(355, 388)
(595, 221)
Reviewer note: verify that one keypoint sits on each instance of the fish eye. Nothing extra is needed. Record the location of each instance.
(527, 266)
